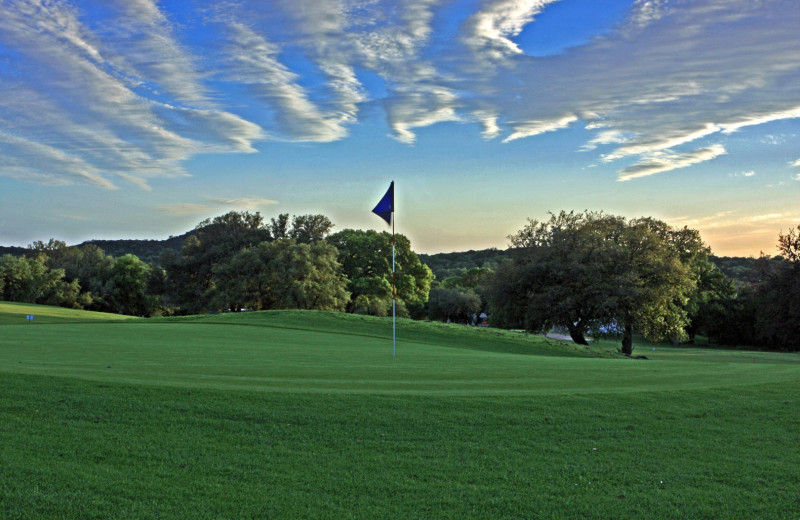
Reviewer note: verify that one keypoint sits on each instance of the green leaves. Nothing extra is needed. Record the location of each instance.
(366, 258)
(281, 275)
(592, 271)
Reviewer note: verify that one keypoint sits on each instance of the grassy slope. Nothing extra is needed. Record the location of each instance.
(323, 352)
(16, 313)
(307, 415)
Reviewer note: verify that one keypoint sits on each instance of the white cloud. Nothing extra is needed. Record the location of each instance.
(141, 33)
(489, 32)
(605, 137)
(760, 118)
(125, 92)
(419, 108)
(254, 62)
(644, 13)
(689, 71)
(245, 203)
(185, 209)
(419, 91)
(24, 159)
(660, 161)
(539, 127)
(74, 99)
(216, 204)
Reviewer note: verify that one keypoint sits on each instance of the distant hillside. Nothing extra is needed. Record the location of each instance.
(146, 250)
(742, 270)
(12, 250)
(445, 265)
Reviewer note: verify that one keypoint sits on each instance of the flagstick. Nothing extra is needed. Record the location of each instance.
(385, 210)
(394, 299)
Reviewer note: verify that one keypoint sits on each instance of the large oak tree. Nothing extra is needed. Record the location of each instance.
(592, 271)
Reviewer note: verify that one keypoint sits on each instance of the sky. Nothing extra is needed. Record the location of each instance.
(137, 119)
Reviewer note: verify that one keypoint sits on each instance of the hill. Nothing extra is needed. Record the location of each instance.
(12, 313)
(742, 270)
(146, 250)
(445, 265)
(291, 414)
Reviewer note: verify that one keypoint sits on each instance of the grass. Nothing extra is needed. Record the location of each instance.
(307, 415)
(16, 314)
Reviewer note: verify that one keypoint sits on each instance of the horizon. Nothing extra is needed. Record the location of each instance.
(138, 119)
(91, 240)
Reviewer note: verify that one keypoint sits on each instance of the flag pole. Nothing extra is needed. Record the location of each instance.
(385, 210)
(394, 292)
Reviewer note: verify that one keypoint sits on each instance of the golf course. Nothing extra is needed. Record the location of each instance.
(308, 414)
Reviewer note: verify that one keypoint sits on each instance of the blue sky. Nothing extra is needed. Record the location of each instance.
(139, 119)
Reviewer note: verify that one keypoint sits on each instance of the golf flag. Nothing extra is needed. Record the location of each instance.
(385, 207)
(385, 210)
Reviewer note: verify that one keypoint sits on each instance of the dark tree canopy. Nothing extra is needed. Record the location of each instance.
(789, 244)
(213, 243)
(366, 258)
(282, 274)
(593, 271)
(457, 304)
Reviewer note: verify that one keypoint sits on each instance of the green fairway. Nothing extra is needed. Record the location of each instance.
(291, 414)
(17, 313)
(323, 352)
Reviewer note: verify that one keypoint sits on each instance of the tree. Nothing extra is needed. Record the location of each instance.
(281, 275)
(215, 242)
(310, 228)
(29, 280)
(127, 287)
(280, 227)
(592, 271)
(789, 244)
(457, 304)
(304, 228)
(652, 285)
(89, 266)
(366, 258)
(53, 249)
(778, 297)
(558, 275)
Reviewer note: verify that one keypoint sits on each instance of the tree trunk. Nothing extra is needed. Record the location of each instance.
(627, 340)
(577, 335)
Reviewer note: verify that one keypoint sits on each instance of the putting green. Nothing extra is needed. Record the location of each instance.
(266, 353)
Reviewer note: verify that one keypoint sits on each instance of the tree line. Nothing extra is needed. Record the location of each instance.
(234, 262)
(592, 273)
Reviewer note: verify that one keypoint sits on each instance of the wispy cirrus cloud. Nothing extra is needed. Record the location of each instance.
(254, 62)
(420, 93)
(72, 96)
(126, 91)
(143, 47)
(532, 128)
(186, 209)
(490, 32)
(245, 203)
(661, 161)
(689, 71)
(215, 204)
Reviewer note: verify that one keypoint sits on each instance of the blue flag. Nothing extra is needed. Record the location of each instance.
(385, 207)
